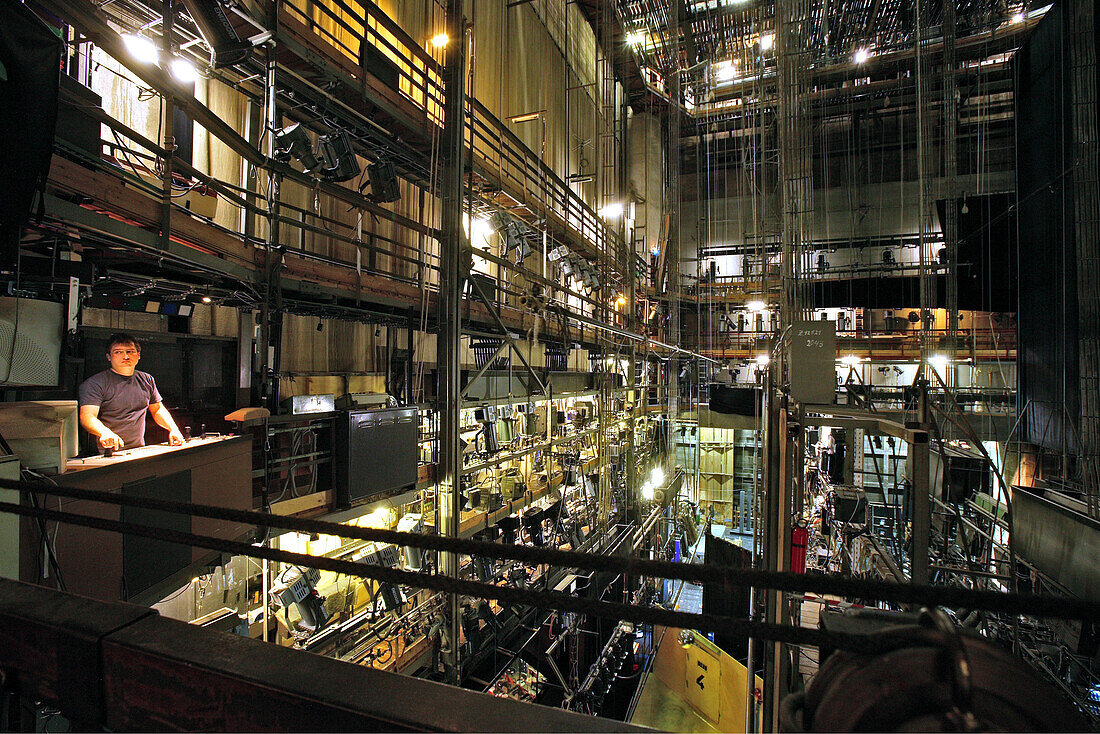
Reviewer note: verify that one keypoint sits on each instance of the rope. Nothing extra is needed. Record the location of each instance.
(952, 597)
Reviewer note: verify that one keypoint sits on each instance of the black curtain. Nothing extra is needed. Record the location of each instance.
(1047, 373)
(30, 67)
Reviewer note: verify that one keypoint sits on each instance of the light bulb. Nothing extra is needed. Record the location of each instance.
(184, 71)
(141, 48)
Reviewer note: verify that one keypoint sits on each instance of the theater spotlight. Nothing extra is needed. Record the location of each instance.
(340, 163)
(218, 33)
(292, 142)
(383, 182)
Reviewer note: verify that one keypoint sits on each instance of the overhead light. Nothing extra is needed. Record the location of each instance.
(525, 117)
(756, 306)
(439, 40)
(637, 38)
(184, 71)
(762, 360)
(658, 476)
(292, 142)
(620, 301)
(938, 362)
(218, 33)
(766, 42)
(207, 299)
(614, 210)
(850, 360)
(481, 229)
(1018, 17)
(141, 48)
(861, 56)
(647, 491)
(725, 71)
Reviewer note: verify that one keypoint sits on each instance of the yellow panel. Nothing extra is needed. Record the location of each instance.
(703, 682)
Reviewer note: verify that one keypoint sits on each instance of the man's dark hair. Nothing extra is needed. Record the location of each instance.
(122, 339)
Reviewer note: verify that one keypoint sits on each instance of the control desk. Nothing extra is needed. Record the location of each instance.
(213, 470)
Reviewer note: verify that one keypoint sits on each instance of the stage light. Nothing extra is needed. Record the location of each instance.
(637, 38)
(614, 210)
(1018, 17)
(218, 33)
(184, 71)
(292, 142)
(658, 476)
(861, 56)
(647, 491)
(725, 71)
(756, 306)
(207, 299)
(762, 360)
(620, 301)
(766, 42)
(850, 360)
(938, 362)
(383, 182)
(340, 163)
(141, 48)
(440, 40)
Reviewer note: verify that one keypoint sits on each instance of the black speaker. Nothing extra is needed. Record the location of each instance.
(376, 452)
(383, 182)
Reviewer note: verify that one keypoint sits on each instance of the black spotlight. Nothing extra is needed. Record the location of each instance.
(383, 182)
(218, 32)
(340, 161)
(293, 142)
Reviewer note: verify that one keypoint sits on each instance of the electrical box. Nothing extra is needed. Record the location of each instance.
(812, 351)
(376, 452)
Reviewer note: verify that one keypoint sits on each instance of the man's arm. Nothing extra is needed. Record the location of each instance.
(164, 419)
(89, 418)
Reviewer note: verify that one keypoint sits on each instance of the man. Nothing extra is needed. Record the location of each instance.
(113, 402)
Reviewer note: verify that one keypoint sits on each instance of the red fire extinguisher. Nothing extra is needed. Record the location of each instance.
(800, 539)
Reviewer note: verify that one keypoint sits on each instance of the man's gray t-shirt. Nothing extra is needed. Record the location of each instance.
(123, 402)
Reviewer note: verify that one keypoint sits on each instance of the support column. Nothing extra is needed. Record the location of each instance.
(448, 497)
(922, 509)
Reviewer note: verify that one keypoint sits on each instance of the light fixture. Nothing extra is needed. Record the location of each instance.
(756, 306)
(292, 142)
(725, 71)
(620, 301)
(439, 40)
(762, 360)
(614, 210)
(766, 42)
(658, 476)
(141, 48)
(647, 491)
(850, 360)
(481, 229)
(861, 56)
(218, 33)
(938, 362)
(1018, 17)
(184, 71)
(207, 299)
(525, 117)
(637, 38)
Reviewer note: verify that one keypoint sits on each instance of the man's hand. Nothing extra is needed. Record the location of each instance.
(110, 440)
(175, 438)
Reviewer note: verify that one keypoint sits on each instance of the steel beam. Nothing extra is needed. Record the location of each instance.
(453, 243)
